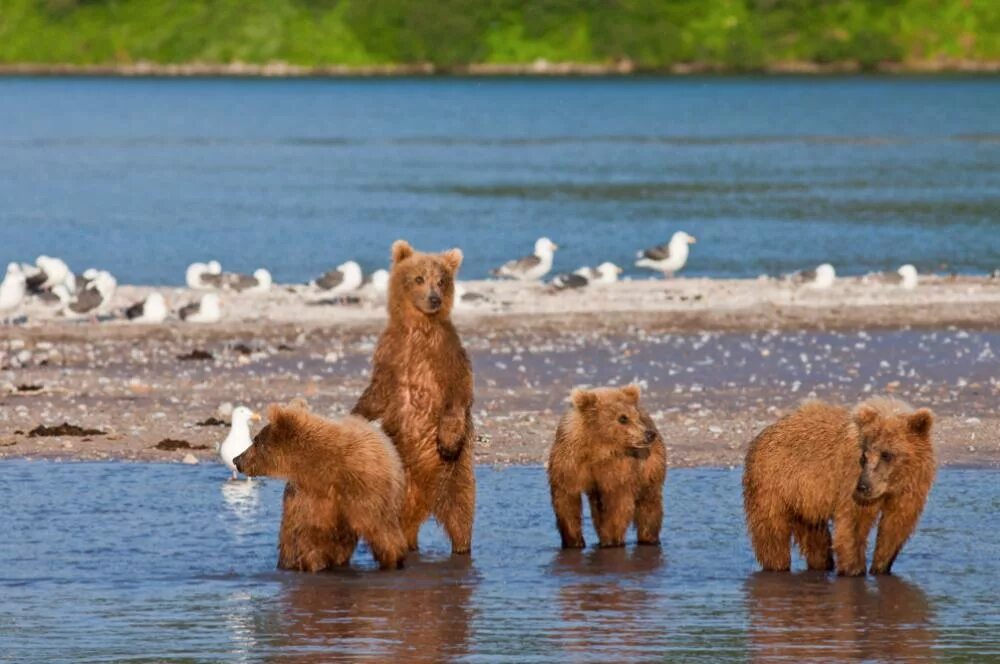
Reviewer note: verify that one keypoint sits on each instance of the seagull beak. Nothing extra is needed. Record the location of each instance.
(255, 417)
(692, 239)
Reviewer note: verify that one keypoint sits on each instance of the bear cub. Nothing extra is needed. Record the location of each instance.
(823, 463)
(421, 389)
(345, 482)
(607, 447)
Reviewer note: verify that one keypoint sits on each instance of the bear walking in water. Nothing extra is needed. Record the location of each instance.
(608, 447)
(421, 389)
(345, 482)
(823, 463)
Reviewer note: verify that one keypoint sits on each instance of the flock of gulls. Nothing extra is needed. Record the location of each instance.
(52, 283)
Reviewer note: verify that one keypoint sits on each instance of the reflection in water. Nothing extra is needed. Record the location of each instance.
(810, 616)
(242, 498)
(420, 613)
(604, 604)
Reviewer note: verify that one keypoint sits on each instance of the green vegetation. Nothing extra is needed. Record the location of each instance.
(653, 34)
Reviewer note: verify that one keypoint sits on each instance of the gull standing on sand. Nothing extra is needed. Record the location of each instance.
(380, 281)
(345, 278)
(605, 273)
(533, 267)
(95, 297)
(238, 440)
(208, 310)
(47, 273)
(258, 282)
(667, 258)
(820, 278)
(152, 310)
(196, 274)
(908, 277)
(13, 288)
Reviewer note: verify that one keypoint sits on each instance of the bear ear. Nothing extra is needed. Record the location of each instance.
(583, 400)
(274, 413)
(921, 421)
(299, 402)
(452, 259)
(865, 414)
(631, 392)
(401, 250)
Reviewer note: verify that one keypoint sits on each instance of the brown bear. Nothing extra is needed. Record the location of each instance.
(824, 462)
(608, 447)
(421, 389)
(345, 481)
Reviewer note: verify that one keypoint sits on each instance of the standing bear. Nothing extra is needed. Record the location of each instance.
(823, 463)
(421, 389)
(607, 447)
(345, 481)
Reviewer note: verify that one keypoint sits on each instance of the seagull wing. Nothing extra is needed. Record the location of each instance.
(520, 265)
(189, 310)
(135, 310)
(660, 252)
(88, 300)
(331, 279)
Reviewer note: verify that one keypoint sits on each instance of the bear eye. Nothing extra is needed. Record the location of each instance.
(888, 456)
(623, 419)
(441, 282)
(419, 280)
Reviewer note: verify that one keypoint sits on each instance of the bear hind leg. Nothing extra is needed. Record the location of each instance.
(770, 537)
(815, 543)
(455, 507)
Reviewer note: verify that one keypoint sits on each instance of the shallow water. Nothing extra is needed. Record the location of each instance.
(772, 174)
(155, 561)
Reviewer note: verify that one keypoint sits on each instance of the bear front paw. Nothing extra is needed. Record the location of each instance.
(854, 570)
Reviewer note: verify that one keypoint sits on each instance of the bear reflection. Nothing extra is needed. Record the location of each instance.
(418, 614)
(603, 604)
(812, 616)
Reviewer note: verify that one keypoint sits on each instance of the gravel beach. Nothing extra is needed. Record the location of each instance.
(718, 360)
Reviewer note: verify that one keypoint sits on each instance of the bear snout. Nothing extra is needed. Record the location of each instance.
(650, 436)
(434, 300)
(864, 487)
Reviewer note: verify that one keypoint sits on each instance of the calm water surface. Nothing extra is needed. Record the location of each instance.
(152, 561)
(771, 174)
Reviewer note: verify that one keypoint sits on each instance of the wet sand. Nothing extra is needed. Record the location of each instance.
(714, 372)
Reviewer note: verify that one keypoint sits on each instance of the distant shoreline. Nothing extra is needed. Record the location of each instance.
(534, 69)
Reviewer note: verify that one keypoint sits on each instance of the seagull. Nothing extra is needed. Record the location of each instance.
(380, 281)
(906, 277)
(59, 296)
(196, 273)
(47, 273)
(238, 440)
(151, 310)
(95, 296)
(568, 281)
(205, 311)
(344, 278)
(259, 282)
(12, 289)
(605, 273)
(533, 267)
(820, 278)
(667, 258)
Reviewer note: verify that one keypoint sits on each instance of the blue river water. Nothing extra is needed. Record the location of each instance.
(166, 562)
(145, 176)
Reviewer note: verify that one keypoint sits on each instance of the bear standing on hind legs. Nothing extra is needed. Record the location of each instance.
(421, 389)
(823, 463)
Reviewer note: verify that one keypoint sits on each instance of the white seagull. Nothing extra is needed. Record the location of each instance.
(667, 258)
(47, 273)
(820, 278)
(533, 267)
(152, 310)
(208, 310)
(95, 296)
(12, 289)
(908, 277)
(380, 281)
(238, 440)
(605, 273)
(345, 278)
(196, 273)
(258, 282)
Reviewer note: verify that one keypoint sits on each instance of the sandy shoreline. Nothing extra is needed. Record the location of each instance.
(718, 359)
(539, 68)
